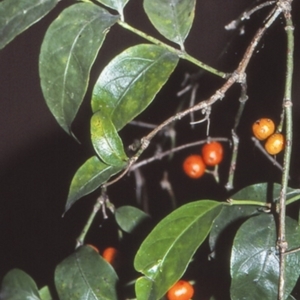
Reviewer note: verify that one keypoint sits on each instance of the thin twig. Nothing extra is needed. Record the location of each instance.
(99, 202)
(246, 15)
(166, 185)
(248, 202)
(143, 124)
(182, 54)
(268, 156)
(286, 7)
(243, 99)
(161, 155)
(235, 139)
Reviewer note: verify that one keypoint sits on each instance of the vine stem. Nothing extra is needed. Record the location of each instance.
(286, 7)
(182, 54)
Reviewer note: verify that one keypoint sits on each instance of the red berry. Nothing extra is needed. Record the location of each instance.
(110, 255)
(181, 290)
(194, 166)
(212, 153)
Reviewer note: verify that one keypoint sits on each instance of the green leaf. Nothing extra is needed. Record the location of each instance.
(145, 289)
(91, 175)
(85, 275)
(254, 262)
(106, 141)
(118, 5)
(172, 18)
(129, 83)
(266, 192)
(165, 254)
(230, 215)
(69, 49)
(45, 293)
(129, 217)
(16, 16)
(17, 285)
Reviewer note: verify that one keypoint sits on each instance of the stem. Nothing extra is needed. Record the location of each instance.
(159, 156)
(267, 155)
(287, 106)
(97, 206)
(246, 15)
(178, 52)
(235, 140)
(248, 202)
(166, 185)
(292, 200)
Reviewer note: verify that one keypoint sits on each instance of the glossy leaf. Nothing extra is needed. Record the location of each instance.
(16, 16)
(255, 261)
(129, 83)
(260, 192)
(45, 293)
(106, 140)
(172, 18)
(266, 192)
(118, 5)
(69, 49)
(165, 254)
(229, 215)
(129, 217)
(91, 175)
(85, 275)
(17, 285)
(145, 289)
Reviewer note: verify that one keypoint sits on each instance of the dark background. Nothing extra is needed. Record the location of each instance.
(38, 159)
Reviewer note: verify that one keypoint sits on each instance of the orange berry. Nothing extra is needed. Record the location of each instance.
(181, 290)
(275, 143)
(110, 254)
(212, 153)
(194, 166)
(263, 128)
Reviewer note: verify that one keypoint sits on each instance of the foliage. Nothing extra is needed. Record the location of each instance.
(252, 219)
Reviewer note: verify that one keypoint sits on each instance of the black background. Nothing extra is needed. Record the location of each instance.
(38, 159)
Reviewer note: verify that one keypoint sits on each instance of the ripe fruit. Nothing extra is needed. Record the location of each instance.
(274, 143)
(110, 255)
(194, 166)
(181, 290)
(263, 128)
(212, 153)
(93, 247)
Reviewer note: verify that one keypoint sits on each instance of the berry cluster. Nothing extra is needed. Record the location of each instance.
(263, 129)
(195, 165)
